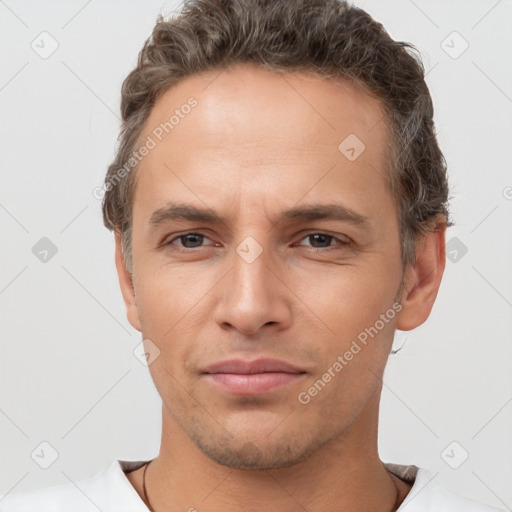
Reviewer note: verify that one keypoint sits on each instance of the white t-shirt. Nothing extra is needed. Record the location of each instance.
(109, 490)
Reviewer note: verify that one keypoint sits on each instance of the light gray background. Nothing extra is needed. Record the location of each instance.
(68, 373)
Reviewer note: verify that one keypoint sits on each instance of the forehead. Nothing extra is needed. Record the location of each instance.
(310, 108)
(280, 128)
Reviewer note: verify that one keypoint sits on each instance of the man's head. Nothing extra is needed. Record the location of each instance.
(294, 210)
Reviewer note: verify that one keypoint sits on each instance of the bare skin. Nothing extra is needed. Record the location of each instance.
(257, 145)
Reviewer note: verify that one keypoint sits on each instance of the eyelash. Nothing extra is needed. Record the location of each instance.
(341, 244)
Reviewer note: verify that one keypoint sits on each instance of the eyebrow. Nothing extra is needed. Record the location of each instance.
(180, 211)
(173, 211)
(325, 212)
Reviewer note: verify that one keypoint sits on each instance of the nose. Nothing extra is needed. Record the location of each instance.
(254, 295)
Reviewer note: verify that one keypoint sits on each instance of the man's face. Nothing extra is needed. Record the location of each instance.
(260, 283)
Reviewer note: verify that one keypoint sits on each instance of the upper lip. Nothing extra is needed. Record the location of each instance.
(244, 367)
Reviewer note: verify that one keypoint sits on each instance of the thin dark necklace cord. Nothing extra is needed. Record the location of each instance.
(146, 499)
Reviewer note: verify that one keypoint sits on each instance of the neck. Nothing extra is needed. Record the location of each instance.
(344, 475)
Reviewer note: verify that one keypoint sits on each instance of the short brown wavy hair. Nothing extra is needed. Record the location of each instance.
(326, 38)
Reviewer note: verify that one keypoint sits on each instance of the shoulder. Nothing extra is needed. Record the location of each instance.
(79, 497)
(55, 498)
(427, 495)
(108, 490)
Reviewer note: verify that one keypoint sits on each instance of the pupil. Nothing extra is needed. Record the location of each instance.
(190, 238)
(320, 238)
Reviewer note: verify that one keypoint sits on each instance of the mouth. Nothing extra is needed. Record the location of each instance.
(249, 378)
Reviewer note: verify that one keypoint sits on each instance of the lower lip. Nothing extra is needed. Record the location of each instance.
(253, 384)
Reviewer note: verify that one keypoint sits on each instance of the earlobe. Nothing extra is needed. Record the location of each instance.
(422, 280)
(127, 288)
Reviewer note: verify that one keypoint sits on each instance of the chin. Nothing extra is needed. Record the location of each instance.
(249, 456)
(256, 452)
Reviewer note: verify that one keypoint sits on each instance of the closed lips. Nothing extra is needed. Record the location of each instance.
(240, 377)
(241, 367)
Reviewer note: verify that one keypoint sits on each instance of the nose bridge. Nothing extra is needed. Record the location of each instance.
(253, 296)
(251, 266)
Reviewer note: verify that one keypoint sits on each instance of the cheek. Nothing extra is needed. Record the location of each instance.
(351, 368)
(353, 339)
(174, 309)
(165, 295)
(348, 298)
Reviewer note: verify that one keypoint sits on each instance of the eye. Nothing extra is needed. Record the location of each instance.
(188, 240)
(324, 241)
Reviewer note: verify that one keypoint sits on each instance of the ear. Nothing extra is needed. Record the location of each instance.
(422, 280)
(127, 288)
